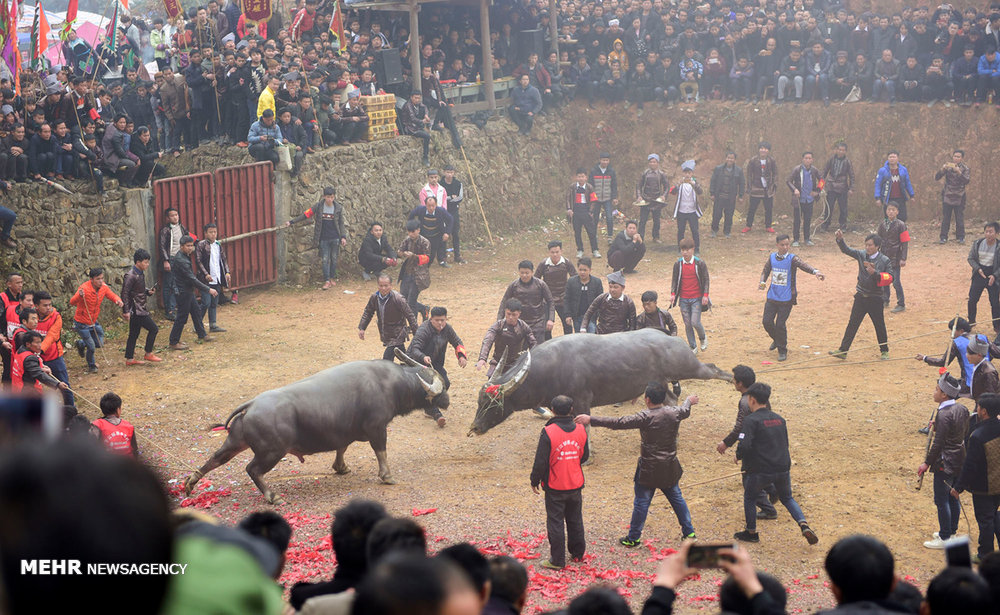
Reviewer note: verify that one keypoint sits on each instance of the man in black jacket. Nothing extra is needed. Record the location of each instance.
(329, 234)
(874, 272)
(414, 121)
(981, 471)
(581, 290)
(168, 243)
(186, 281)
(134, 293)
(984, 258)
(763, 449)
(862, 575)
(726, 186)
(627, 249)
(429, 345)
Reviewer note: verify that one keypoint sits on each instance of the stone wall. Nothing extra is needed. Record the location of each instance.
(521, 181)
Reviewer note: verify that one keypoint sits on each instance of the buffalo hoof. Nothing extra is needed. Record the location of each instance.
(387, 480)
(342, 471)
(275, 500)
(189, 484)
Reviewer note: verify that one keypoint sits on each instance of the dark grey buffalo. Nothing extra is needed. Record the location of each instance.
(327, 411)
(595, 370)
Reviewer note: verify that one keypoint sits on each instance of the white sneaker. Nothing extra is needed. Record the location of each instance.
(597, 254)
(937, 543)
(704, 344)
(579, 253)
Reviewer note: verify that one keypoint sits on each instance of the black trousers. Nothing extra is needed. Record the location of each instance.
(946, 213)
(618, 260)
(988, 520)
(439, 251)
(840, 200)
(456, 225)
(564, 515)
(5, 355)
(434, 412)
(873, 308)
(755, 201)
(135, 326)
(803, 215)
(723, 207)
(262, 152)
(976, 288)
(583, 220)
(691, 220)
(187, 305)
(644, 215)
(424, 136)
(390, 352)
(775, 316)
(560, 317)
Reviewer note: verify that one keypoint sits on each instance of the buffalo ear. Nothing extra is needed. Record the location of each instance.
(405, 358)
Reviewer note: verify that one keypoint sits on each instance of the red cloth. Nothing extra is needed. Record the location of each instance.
(118, 438)
(565, 473)
(690, 289)
(17, 372)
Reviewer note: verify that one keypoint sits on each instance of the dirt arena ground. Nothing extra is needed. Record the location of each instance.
(852, 426)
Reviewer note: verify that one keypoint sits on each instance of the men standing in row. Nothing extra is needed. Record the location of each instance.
(430, 342)
(985, 275)
(762, 181)
(613, 311)
(652, 191)
(435, 226)
(956, 176)
(627, 249)
(658, 466)
(980, 472)
(804, 184)
(393, 315)
(455, 195)
(892, 185)
(874, 273)
(581, 290)
(726, 185)
(945, 456)
(895, 245)
(538, 306)
(184, 277)
(605, 183)
(763, 449)
(782, 294)
(687, 210)
(555, 271)
(578, 210)
(838, 177)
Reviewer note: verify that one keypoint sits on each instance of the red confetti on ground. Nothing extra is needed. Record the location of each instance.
(418, 512)
(205, 499)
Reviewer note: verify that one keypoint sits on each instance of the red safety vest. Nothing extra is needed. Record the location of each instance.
(17, 372)
(118, 437)
(565, 473)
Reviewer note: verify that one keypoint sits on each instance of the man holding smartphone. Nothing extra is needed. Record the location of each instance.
(763, 448)
(658, 466)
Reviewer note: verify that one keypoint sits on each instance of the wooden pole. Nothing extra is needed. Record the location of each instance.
(475, 190)
(554, 27)
(484, 27)
(414, 46)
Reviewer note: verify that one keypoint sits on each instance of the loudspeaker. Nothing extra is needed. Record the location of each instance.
(530, 41)
(388, 67)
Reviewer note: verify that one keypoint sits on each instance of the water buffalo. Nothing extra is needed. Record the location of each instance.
(594, 370)
(327, 411)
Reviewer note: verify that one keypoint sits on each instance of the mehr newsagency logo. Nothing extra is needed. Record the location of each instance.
(60, 567)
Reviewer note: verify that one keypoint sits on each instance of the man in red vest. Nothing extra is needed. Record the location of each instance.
(562, 448)
(116, 433)
(27, 368)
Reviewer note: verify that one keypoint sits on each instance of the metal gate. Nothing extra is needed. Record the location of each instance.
(239, 199)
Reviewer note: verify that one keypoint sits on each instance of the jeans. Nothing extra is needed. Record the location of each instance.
(840, 200)
(7, 218)
(889, 86)
(644, 214)
(640, 508)
(824, 86)
(763, 498)
(897, 284)
(691, 313)
(752, 486)
(578, 320)
(186, 305)
(135, 326)
(329, 250)
(976, 292)
(59, 372)
(609, 216)
(775, 315)
(408, 288)
(768, 207)
(803, 215)
(564, 515)
(92, 336)
(169, 292)
(948, 508)
(871, 307)
(988, 520)
(723, 207)
(946, 213)
(691, 220)
(583, 220)
(210, 304)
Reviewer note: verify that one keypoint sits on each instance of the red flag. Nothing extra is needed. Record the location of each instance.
(173, 8)
(337, 25)
(39, 34)
(257, 10)
(70, 19)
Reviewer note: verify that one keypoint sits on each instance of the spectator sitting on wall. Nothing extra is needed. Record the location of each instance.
(264, 136)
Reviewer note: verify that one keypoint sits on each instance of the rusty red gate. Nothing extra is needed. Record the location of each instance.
(240, 200)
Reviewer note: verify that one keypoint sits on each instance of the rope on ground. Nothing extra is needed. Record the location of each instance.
(187, 467)
(93, 333)
(712, 480)
(475, 190)
(838, 364)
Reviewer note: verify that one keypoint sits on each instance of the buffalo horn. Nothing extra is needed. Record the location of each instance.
(498, 372)
(405, 358)
(520, 373)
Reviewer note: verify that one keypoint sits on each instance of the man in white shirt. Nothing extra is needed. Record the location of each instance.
(214, 271)
(686, 209)
(985, 273)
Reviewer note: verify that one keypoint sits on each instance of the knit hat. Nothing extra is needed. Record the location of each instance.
(52, 85)
(613, 23)
(354, 94)
(946, 388)
(978, 346)
(603, 155)
(616, 277)
(688, 165)
(655, 157)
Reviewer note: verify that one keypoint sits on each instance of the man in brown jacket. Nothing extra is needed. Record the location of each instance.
(415, 274)
(956, 177)
(174, 100)
(984, 375)
(537, 304)
(762, 181)
(555, 271)
(945, 456)
(838, 175)
(510, 334)
(658, 466)
(614, 311)
(393, 315)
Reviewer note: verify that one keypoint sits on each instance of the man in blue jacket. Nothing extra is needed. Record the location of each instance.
(892, 185)
(526, 103)
(989, 76)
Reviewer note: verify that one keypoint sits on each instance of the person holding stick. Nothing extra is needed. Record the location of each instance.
(87, 300)
(945, 456)
(134, 294)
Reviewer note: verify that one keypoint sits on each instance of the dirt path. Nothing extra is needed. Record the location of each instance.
(852, 427)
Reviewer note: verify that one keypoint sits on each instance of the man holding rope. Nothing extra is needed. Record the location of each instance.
(874, 273)
(87, 300)
(945, 456)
